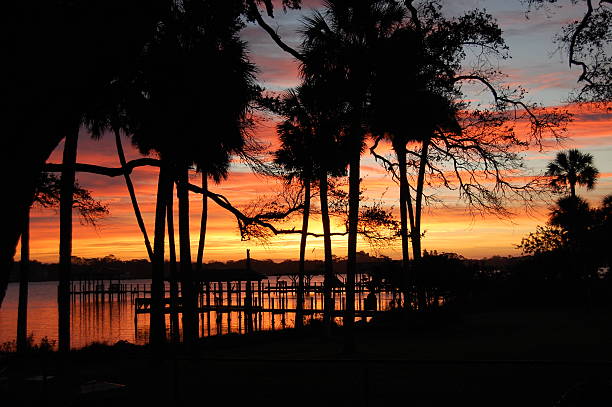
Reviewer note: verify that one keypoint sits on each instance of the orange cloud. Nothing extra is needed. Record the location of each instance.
(449, 227)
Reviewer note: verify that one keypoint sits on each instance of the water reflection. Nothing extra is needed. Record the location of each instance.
(112, 316)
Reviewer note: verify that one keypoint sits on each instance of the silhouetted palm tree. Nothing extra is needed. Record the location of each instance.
(438, 115)
(331, 162)
(414, 121)
(47, 101)
(296, 156)
(341, 42)
(310, 152)
(197, 85)
(394, 103)
(573, 215)
(415, 98)
(570, 168)
(115, 111)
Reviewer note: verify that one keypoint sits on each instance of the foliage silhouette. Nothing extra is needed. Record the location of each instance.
(570, 168)
(586, 43)
(453, 143)
(576, 234)
(178, 118)
(46, 101)
(296, 156)
(341, 43)
(310, 151)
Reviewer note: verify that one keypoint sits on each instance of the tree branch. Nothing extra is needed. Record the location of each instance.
(245, 220)
(496, 95)
(581, 26)
(389, 166)
(106, 171)
(414, 14)
(254, 11)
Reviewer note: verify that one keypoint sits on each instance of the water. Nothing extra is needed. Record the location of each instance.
(115, 319)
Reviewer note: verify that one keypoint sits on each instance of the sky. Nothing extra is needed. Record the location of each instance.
(449, 227)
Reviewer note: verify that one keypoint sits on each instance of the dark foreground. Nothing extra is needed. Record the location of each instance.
(510, 357)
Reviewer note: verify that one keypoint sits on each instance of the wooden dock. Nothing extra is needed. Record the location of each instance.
(220, 296)
(244, 300)
(143, 306)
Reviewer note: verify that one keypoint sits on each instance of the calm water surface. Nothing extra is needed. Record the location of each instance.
(113, 320)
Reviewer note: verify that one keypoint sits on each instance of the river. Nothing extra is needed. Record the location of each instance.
(112, 320)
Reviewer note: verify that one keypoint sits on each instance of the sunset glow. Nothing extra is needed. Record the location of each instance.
(449, 226)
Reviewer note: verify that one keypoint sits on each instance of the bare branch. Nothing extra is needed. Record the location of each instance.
(498, 98)
(245, 221)
(388, 165)
(414, 14)
(254, 11)
(581, 26)
(107, 171)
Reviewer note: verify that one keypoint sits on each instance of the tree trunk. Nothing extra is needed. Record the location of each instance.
(409, 206)
(174, 320)
(22, 310)
(190, 317)
(248, 300)
(328, 315)
(400, 151)
(203, 221)
(351, 262)
(23, 155)
(573, 189)
(202, 241)
(412, 228)
(299, 315)
(158, 318)
(130, 187)
(65, 249)
(416, 233)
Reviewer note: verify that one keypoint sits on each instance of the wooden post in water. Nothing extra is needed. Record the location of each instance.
(229, 305)
(208, 320)
(229, 293)
(22, 313)
(248, 300)
(259, 300)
